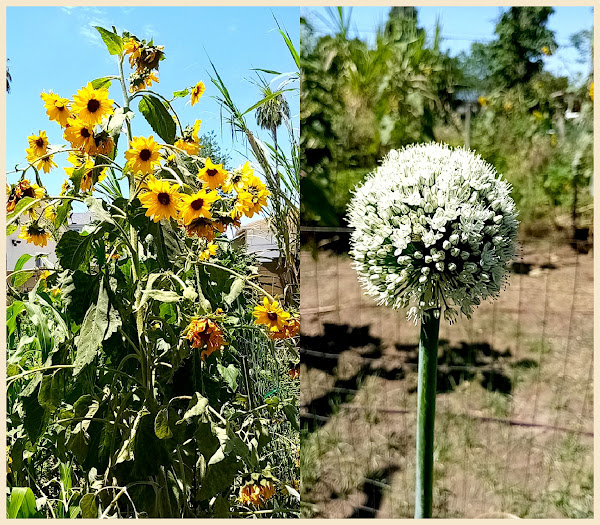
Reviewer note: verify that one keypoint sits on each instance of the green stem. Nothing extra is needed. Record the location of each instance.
(426, 390)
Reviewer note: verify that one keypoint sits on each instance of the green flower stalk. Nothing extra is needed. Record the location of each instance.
(434, 230)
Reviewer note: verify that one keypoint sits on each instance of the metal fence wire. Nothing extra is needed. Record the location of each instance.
(514, 425)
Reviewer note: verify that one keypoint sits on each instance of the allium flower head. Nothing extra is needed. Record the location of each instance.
(433, 227)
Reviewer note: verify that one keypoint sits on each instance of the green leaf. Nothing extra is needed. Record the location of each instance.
(12, 312)
(114, 42)
(163, 296)
(102, 82)
(161, 424)
(92, 332)
(89, 506)
(62, 213)
(292, 414)
(52, 390)
(158, 117)
(292, 49)
(230, 374)
(197, 407)
(73, 249)
(21, 503)
(21, 278)
(35, 418)
(265, 100)
(236, 289)
(21, 262)
(78, 292)
(181, 94)
(219, 477)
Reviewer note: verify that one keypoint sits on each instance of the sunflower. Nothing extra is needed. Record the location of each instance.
(238, 178)
(35, 233)
(197, 205)
(189, 146)
(294, 372)
(143, 155)
(257, 493)
(162, 199)
(201, 227)
(211, 250)
(66, 186)
(197, 92)
(288, 331)
(57, 108)
(38, 146)
(213, 175)
(103, 145)
(83, 161)
(271, 315)
(205, 333)
(131, 46)
(141, 80)
(92, 104)
(80, 135)
(46, 164)
(50, 213)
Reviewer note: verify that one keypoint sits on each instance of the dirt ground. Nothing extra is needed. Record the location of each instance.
(514, 407)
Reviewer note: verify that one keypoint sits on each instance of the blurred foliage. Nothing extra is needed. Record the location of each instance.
(360, 101)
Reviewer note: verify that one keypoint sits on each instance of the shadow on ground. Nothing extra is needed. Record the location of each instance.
(456, 363)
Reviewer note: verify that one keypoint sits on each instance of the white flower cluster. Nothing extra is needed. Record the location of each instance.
(434, 227)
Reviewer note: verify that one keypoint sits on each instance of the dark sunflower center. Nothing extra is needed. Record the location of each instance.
(164, 198)
(28, 193)
(85, 133)
(272, 316)
(93, 105)
(145, 154)
(39, 142)
(60, 107)
(211, 172)
(197, 204)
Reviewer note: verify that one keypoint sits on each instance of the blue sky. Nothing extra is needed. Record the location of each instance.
(463, 25)
(58, 49)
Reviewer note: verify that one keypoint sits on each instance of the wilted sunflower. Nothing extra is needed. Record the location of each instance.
(21, 190)
(103, 144)
(162, 199)
(38, 145)
(257, 493)
(253, 197)
(57, 108)
(238, 178)
(35, 233)
(131, 47)
(288, 331)
(46, 164)
(211, 250)
(80, 135)
(143, 155)
(141, 80)
(197, 205)
(201, 227)
(271, 315)
(213, 175)
(92, 104)
(205, 333)
(197, 92)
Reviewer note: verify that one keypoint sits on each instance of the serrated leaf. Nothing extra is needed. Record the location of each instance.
(114, 43)
(182, 93)
(62, 213)
(73, 249)
(89, 506)
(236, 289)
(101, 83)
(230, 374)
(158, 117)
(92, 331)
(161, 424)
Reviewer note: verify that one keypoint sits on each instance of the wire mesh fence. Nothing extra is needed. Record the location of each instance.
(514, 425)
